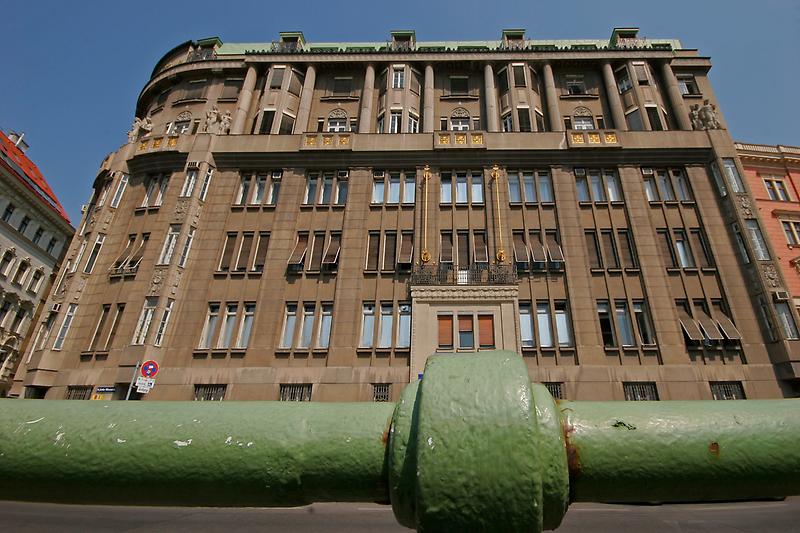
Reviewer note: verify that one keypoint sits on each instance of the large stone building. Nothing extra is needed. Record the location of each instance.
(774, 176)
(295, 220)
(34, 234)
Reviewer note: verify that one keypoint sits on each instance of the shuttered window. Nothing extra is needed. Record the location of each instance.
(136, 258)
(406, 249)
(665, 247)
(486, 331)
(481, 252)
(318, 247)
(445, 331)
(447, 247)
(389, 251)
(373, 250)
(244, 252)
(688, 324)
(708, 325)
(609, 251)
(331, 256)
(261, 252)
(538, 253)
(626, 249)
(463, 249)
(466, 335)
(700, 249)
(227, 252)
(299, 251)
(520, 250)
(592, 250)
(553, 248)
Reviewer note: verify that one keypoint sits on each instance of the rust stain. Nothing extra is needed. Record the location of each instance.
(713, 448)
(573, 455)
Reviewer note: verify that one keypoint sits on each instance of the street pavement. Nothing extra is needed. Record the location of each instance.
(765, 516)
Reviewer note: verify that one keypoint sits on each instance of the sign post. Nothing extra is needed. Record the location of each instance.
(130, 385)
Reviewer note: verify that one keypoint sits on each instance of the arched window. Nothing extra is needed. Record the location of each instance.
(5, 263)
(582, 119)
(22, 270)
(459, 119)
(337, 120)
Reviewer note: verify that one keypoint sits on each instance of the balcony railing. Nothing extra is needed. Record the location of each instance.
(448, 274)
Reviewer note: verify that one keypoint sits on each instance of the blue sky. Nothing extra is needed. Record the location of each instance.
(72, 70)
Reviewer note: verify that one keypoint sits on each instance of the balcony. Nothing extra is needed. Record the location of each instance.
(448, 274)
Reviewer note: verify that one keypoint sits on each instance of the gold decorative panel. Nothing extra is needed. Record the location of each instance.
(461, 138)
(594, 138)
(143, 145)
(444, 138)
(577, 138)
(157, 143)
(311, 141)
(477, 138)
(344, 141)
(611, 138)
(172, 142)
(327, 140)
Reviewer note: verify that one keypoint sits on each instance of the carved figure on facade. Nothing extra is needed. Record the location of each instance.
(181, 208)
(225, 123)
(747, 207)
(459, 112)
(338, 113)
(157, 282)
(212, 118)
(80, 285)
(704, 117)
(176, 280)
(771, 275)
(139, 125)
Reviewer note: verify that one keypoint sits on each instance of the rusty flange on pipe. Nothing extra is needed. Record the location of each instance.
(473, 446)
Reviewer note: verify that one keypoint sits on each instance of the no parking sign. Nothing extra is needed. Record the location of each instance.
(149, 369)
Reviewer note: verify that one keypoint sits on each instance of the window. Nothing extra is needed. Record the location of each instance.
(623, 80)
(380, 126)
(394, 188)
(718, 181)
(446, 247)
(413, 123)
(526, 325)
(367, 325)
(409, 187)
(519, 75)
(206, 183)
(325, 188)
(502, 81)
(179, 127)
(123, 183)
(276, 80)
(634, 119)
(776, 189)
(732, 173)
(638, 391)
(98, 330)
(445, 323)
(325, 323)
(187, 246)
(395, 119)
(524, 116)
(575, 84)
(486, 331)
(654, 117)
(5, 263)
(459, 85)
(624, 323)
(287, 124)
(643, 323)
(79, 392)
(446, 189)
(459, 123)
(267, 120)
(543, 325)
(389, 251)
(62, 332)
(210, 327)
(688, 85)
(593, 249)
(23, 224)
(228, 325)
(786, 320)
(154, 194)
(51, 245)
(606, 324)
(507, 122)
(404, 326)
(582, 123)
(757, 240)
(209, 393)
(514, 192)
(791, 229)
(145, 318)
(398, 77)
(162, 325)
(98, 244)
(342, 86)
(112, 331)
(385, 326)
(36, 281)
(381, 392)
(8, 212)
(537, 186)
(683, 250)
(563, 325)
(461, 188)
(466, 335)
(289, 322)
(555, 388)
(261, 252)
(169, 244)
(295, 392)
(727, 390)
(19, 318)
(188, 183)
(22, 270)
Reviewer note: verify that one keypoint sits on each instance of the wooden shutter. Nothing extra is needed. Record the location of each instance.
(700, 250)
(553, 248)
(665, 247)
(317, 251)
(389, 251)
(626, 250)
(592, 251)
(446, 254)
(609, 251)
(227, 252)
(244, 252)
(689, 325)
(709, 326)
(299, 251)
(124, 255)
(332, 252)
(133, 260)
(406, 249)
(479, 245)
(463, 250)
(537, 249)
(373, 250)
(520, 249)
(261, 252)
(725, 325)
(445, 331)
(486, 331)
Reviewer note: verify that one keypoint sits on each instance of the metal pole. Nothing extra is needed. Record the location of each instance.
(133, 378)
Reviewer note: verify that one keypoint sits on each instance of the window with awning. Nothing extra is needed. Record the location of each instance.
(299, 252)
(406, 250)
(332, 251)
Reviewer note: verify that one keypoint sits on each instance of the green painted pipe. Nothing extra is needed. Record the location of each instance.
(473, 446)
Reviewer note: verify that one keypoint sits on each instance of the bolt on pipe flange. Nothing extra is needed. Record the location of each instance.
(475, 446)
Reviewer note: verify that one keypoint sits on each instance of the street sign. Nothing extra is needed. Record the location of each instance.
(149, 369)
(144, 385)
(105, 390)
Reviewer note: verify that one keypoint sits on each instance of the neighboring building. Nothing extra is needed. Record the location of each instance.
(774, 176)
(310, 221)
(34, 234)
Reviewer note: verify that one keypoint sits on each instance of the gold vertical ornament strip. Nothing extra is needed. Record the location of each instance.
(425, 256)
(501, 253)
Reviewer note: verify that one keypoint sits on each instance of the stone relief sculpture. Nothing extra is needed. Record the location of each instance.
(225, 123)
(146, 126)
(138, 126)
(704, 117)
(212, 117)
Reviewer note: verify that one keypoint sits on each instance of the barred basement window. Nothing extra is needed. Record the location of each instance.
(640, 391)
(79, 392)
(209, 393)
(727, 390)
(555, 388)
(381, 392)
(295, 392)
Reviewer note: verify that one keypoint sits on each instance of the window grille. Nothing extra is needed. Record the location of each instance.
(727, 390)
(381, 392)
(641, 391)
(296, 392)
(79, 392)
(556, 389)
(208, 393)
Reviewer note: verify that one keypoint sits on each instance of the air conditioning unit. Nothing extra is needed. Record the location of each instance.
(647, 171)
(55, 308)
(277, 174)
(192, 164)
(343, 174)
(84, 207)
(580, 172)
(378, 174)
(780, 296)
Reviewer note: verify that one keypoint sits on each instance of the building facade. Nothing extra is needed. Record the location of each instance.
(34, 235)
(774, 176)
(310, 221)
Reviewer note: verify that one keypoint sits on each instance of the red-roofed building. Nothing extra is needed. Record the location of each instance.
(34, 234)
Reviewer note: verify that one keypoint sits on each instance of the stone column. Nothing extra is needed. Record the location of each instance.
(675, 97)
(243, 103)
(492, 118)
(306, 97)
(553, 114)
(428, 120)
(365, 119)
(617, 113)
